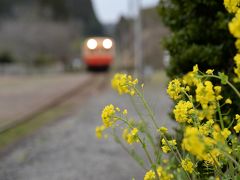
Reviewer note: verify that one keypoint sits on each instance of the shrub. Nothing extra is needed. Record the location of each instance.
(199, 35)
(43, 60)
(6, 58)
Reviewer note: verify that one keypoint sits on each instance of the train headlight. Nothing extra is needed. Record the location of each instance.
(107, 43)
(92, 44)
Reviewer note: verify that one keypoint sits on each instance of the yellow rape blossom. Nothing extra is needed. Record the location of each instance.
(217, 89)
(237, 117)
(163, 130)
(195, 69)
(192, 143)
(125, 112)
(228, 101)
(174, 89)
(125, 133)
(150, 175)
(206, 128)
(108, 115)
(183, 111)
(237, 62)
(130, 137)
(124, 84)
(163, 174)
(187, 165)
(225, 133)
(231, 5)
(212, 157)
(99, 131)
(208, 95)
(234, 25)
(237, 44)
(209, 71)
(205, 93)
(118, 109)
(203, 147)
(221, 136)
(165, 147)
(237, 127)
(190, 79)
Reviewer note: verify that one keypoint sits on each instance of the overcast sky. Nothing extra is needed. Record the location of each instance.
(109, 11)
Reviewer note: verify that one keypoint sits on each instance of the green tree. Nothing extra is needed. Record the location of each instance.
(58, 8)
(5, 7)
(199, 35)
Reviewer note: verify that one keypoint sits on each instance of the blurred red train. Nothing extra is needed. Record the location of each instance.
(98, 52)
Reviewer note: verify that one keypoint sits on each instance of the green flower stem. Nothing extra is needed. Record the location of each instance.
(218, 168)
(146, 105)
(149, 137)
(177, 155)
(143, 145)
(156, 151)
(232, 159)
(234, 88)
(220, 116)
(149, 157)
(126, 149)
(144, 148)
(196, 121)
(136, 109)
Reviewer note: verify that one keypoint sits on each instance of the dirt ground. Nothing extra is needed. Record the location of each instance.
(68, 149)
(22, 95)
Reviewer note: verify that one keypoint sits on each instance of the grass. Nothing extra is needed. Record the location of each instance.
(31, 125)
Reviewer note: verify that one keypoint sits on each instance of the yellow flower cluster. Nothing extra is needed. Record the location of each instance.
(130, 137)
(234, 25)
(108, 115)
(183, 111)
(109, 119)
(228, 101)
(99, 131)
(220, 135)
(205, 147)
(197, 109)
(237, 127)
(237, 62)
(232, 5)
(207, 95)
(163, 130)
(190, 79)
(187, 165)
(193, 143)
(163, 175)
(166, 145)
(174, 89)
(150, 175)
(195, 69)
(124, 84)
(210, 71)
(206, 128)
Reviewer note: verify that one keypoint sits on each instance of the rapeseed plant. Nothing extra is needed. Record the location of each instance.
(209, 148)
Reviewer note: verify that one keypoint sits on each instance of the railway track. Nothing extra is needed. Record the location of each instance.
(95, 84)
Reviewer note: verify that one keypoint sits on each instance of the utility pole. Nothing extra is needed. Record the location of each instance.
(138, 49)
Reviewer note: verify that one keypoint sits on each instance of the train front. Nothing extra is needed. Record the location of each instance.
(98, 52)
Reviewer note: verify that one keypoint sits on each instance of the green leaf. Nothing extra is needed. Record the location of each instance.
(223, 77)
